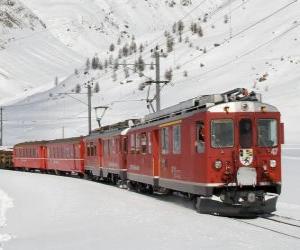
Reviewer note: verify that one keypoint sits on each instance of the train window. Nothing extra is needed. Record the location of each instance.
(222, 133)
(267, 133)
(125, 145)
(176, 139)
(137, 143)
(95, 150)
(200, 145)
(132, 142)
(144, 143)
(245, 128)
(165, 140)
(149, 143)
(88, 150)
(113, 146)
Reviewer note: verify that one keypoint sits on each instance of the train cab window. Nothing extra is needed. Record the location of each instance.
(267, 132)
(143, 143)
(165, 140)
(176, 139)
(222, 133)
(200, 141)
(245, 129)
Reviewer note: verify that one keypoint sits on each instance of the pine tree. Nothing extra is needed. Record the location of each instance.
(95, 62)
(141, 64)
(77, 88)
(120, 54)
(100, 65)
(169, 74)
(180, 28)
(116, 64)
(200, 31)
(87, 65)
(125, 50)
(97, 87)
(133, 46)
(152, 66)
(119, 41)
(111, 47)
(141, 48)
(185, 73)
(56, 81)
(174, 27)
(126, 72)
(170, 44)
(76, 72)
(110, 60)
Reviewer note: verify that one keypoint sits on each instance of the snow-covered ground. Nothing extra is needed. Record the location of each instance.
(43, 212)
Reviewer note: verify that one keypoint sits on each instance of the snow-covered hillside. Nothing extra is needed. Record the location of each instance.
(244, 43)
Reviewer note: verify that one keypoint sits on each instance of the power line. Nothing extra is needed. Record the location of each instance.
(248, 52)
(244, 30)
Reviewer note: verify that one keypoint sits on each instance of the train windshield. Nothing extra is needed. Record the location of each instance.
(245, 126)
(222, 133)
(267, 132)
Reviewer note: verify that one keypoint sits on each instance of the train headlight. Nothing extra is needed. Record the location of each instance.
(272, 163)
(218, 164)
(251, 197)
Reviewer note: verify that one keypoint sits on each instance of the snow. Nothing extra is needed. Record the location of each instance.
(52, 212)
(264, 40)
(64, 213)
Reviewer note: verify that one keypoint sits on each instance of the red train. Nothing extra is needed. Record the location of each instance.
(224, 150)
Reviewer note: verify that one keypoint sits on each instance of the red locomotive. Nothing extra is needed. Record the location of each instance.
(224, 150)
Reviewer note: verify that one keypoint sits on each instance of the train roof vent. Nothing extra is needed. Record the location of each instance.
(117, 126)
(185, 106)
(238, 94)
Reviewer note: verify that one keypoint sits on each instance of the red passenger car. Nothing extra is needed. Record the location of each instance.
(30, 155)
(66, 155)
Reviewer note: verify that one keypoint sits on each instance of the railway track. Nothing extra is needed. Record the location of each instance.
(282, 225)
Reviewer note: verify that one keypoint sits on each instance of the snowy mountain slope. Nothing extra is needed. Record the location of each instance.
(257, 48)
(88, 26)
(30, 56)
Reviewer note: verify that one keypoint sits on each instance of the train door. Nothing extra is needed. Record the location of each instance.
(246, 173)
(44, 156)
(124, 147)
(155, 152)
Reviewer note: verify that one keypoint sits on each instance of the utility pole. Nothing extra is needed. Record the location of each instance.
(1, 124)
(89, 93)
(157, 69)
(89, 84)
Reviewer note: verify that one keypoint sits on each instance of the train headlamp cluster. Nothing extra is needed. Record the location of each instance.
(273, 163)
(218, 164)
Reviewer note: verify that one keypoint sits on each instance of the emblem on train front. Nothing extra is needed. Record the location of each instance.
(246, 156)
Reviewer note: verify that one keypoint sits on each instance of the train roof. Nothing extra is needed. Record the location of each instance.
(237, 100)
(31, 143)
(113, 129)
(72, 139)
